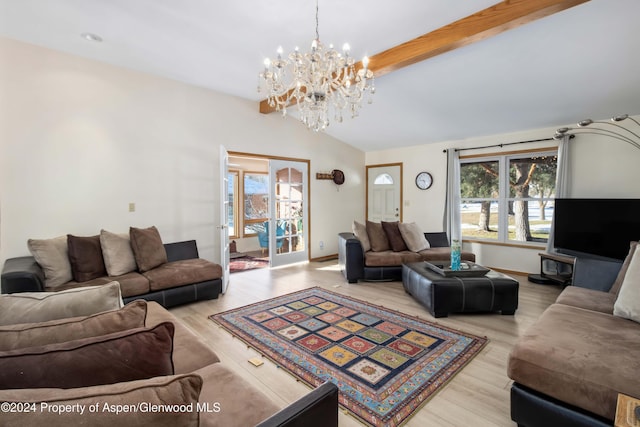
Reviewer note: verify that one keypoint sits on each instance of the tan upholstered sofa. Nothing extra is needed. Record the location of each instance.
(77, 358)
(169, 274)
(569, 367)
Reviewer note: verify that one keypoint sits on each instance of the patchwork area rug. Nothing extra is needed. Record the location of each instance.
(247, 263)
(385, 363)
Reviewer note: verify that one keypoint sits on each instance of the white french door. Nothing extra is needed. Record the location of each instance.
(288, 212)
(224, 217)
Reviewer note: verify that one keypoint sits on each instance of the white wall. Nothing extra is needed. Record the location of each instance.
(80, 140)
(600, 167)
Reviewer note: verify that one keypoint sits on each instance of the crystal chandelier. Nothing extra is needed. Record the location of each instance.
(322, 82)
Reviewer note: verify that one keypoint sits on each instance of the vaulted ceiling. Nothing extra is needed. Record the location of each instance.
(578, 63)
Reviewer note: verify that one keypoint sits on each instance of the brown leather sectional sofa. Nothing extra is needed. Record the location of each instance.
(183, 278)
(357, 264)
(193, 389)
(569, 367)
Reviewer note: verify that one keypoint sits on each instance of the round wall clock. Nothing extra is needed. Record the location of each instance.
(424, 180)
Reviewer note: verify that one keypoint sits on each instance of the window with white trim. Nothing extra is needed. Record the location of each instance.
(508, 198)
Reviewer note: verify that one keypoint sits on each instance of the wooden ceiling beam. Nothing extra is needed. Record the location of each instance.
(481, 25)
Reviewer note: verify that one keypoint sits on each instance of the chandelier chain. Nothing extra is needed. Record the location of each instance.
(317, 21)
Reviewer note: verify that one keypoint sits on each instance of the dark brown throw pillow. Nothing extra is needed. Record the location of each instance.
(85, 256)
(377, 237)
(395, 237)
(147, 247)
(122, 356)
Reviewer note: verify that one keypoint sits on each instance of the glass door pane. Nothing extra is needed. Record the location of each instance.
(289, 208)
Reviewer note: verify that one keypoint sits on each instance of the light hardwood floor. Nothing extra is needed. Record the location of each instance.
(477, 396)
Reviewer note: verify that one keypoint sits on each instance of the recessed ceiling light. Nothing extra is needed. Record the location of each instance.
(91, 37)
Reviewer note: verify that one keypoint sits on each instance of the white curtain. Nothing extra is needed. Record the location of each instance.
(562, 181)
(452, 210)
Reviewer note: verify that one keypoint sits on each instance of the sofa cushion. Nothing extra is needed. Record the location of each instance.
(395, 237)
(223, 386)
(85, 255)
(164, 390)
(53, 257)
(581, 357)
(627, 303)
(589, 299)
(615, 288)
(147, 247)
(121, 356)
(377, 237)
(24, 335)
(413, 236)
(360, 231)
(189, 351)
(180, 273)
(32, 307)
(389, 258)
(132, 284)
(117, 253)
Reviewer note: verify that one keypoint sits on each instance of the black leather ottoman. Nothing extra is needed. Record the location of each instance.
(443, 295)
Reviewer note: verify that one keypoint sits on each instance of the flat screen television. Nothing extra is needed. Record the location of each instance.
(602, 227)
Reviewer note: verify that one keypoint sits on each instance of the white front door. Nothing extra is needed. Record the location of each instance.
(224, 217)
(384, 193)
(288, 211)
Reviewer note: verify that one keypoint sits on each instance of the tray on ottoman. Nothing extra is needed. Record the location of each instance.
(467, 269)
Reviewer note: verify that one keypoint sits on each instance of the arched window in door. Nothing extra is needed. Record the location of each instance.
(383, 178)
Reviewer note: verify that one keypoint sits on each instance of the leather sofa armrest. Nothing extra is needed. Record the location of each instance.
(22, 274)
(350, 257)
(318, 408)
(180, 251)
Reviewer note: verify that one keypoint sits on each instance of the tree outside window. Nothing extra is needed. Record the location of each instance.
(508, 197)
(256, 202)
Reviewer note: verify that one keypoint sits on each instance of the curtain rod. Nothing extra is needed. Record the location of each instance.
(503, 144)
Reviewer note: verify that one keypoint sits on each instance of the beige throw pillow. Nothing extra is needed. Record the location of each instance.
(360, 231)
(53, 257)
(23, 335)
(627, 304)
(32, 307)
(117, 253)
(413, 236)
